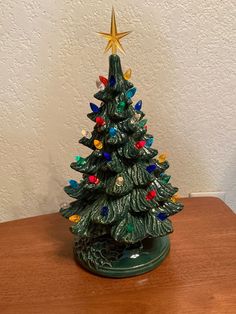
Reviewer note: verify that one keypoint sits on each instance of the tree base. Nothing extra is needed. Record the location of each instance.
(103, 256)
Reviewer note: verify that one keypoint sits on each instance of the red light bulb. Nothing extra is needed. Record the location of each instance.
(140, 144)
(151, 194)
(100, 121)
(93, 179)
(103, 80)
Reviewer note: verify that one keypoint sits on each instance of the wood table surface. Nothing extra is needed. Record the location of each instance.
(39, 275)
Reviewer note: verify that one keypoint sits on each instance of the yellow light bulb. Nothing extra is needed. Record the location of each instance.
(175, 198)
(127, 74)
(98, 144)
(162, 158)
(85, 133)
(74, 218)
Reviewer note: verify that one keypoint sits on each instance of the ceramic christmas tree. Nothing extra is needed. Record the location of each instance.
(120, 216)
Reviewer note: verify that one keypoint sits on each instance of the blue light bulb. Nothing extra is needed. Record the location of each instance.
(112, 81)
(151, 168)
(112, 132)
(131, 92)
(161, 216)
(74, 184)
(104, 211)
(94, 108)
(138, 106)
(107, 156)
(149, 142)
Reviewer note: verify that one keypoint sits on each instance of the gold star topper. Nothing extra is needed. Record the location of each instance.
(113, 37)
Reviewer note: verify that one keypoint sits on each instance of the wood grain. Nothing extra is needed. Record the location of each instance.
(38, 273)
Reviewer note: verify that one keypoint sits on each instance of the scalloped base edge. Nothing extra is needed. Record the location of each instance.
(131, 262)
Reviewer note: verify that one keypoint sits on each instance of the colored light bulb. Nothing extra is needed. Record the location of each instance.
(140, 144)
(165, 178)
(130, 228)
(104, 211)
(99, 85)
(138, 106)
(80, 160)
(131, 92)
(98, 144)
(174, 198)
(121, 106)
(107, 156)
(162, 158)
(161, 216)
(74, 218)
(142, 123)
(100, 121)
(103, 80)
(127, 74)
(85, 133)
(64, 205)
(93, 179)
(149, 142)
(150, 195)
(94, 108)
(74, 184)
(120, 181)
(112, 132)
(151, 168)
(137, 116)
(112, 81)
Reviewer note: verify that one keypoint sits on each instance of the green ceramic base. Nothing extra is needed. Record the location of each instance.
(105, 258)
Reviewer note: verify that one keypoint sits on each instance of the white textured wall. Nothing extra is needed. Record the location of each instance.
(182, 54)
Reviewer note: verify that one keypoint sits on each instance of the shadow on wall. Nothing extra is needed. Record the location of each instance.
(228, 187)
(51, 201)
(34, 202)
(167, 120)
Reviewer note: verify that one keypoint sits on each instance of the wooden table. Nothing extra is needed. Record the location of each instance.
(38, 273)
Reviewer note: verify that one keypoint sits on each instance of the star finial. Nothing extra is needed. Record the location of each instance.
(113, 37)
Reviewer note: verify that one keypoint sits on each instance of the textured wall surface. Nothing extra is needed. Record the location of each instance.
(182, 54)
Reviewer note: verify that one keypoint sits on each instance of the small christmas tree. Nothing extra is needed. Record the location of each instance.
(123, 202)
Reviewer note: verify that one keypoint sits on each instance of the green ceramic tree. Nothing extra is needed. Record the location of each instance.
(124, 196)
(122, 204)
